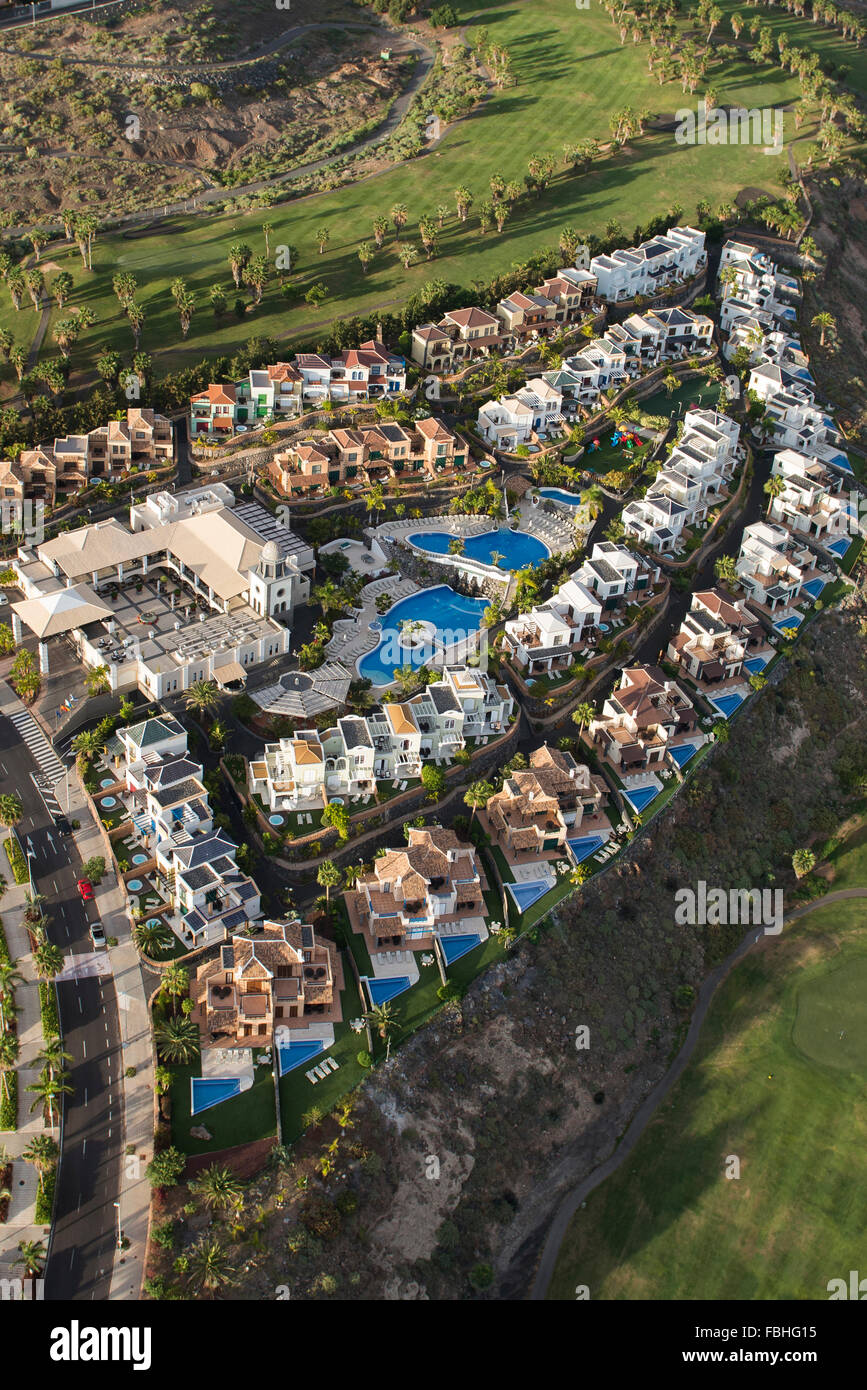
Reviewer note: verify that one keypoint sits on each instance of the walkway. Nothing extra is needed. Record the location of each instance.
(21, 1224)
(642, 1117)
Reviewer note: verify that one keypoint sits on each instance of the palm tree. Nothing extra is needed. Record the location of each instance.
(42, 1152)
(383, 1018)
(152, 937)
(48, 1089)
(496, 557)
(9, 1049)
(32, 1255)
(201, 696)
(9, 978)
(463, 201)
(136, 315)
(399, 213)
(175, 983)
(582, 715)
(53, 1056)
(380, 227)
(328, 877)
(826, 322)
(210, 1265)
(98, 680)
(87, 744)
(773, 487)
(11, 811)
(218, 1188)
(592, 500)
(220, 732)
(47, 959)
(239, 258)
(322, 236)
(726, 569)
(177, 1041)
(477, 794)
(365, 255)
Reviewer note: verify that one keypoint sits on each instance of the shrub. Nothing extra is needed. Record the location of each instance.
(17, 862)
(9, 1104)
(364, 1059)
(165, 1168)
(45, 1198)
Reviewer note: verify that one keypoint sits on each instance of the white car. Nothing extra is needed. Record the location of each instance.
(3, 601)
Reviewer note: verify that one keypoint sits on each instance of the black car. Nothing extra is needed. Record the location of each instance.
(62, 824)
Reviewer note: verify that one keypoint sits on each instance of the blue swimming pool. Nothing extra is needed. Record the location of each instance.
(839, 547)
(448, 611)
(139, 859)
(639, 797)
(683, 752)
(814, 587)
(756, 664)
(727, 704)
(584, 845)
(295, 1054)
(208, 1091)
(791, 620)
(569, 499)
(456, 946)
(135, 885)
(516, 547)
(388, 987)
(525, 894)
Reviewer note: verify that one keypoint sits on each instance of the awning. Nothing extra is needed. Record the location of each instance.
(228, 674)
(712, 671)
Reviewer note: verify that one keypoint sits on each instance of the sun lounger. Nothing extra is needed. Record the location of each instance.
(331, 1064)
(321, 1072)
(311, 1077)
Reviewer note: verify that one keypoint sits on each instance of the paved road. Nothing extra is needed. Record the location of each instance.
(647, 1109)
(83, 1238)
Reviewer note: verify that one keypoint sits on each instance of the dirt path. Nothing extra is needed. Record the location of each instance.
(642, 1117)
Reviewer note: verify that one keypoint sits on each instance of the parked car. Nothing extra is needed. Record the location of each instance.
(3, 600)
(97, 935)
(85, 888)
(62, 824)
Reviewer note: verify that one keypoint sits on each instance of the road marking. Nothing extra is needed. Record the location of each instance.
(83, 1148)
(61, 909)
(84, 1047)
(56, 889)
(80, 1006)
(3, 768)
(40, 749)
(85, 1097)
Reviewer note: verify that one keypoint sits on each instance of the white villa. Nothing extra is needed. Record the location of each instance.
(513, 420)
(312, 767)
(650, 267)
(549, 637)
(772, 566)
(694, 479)
(192, 863)
(810, 503)
(112, 591)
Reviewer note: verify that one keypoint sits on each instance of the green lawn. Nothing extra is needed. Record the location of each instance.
(246, 1117)
(566, 62)
(778, 1081)
(298, 1095)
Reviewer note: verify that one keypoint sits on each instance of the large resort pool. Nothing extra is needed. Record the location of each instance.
(442, 615)
(517, 548)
